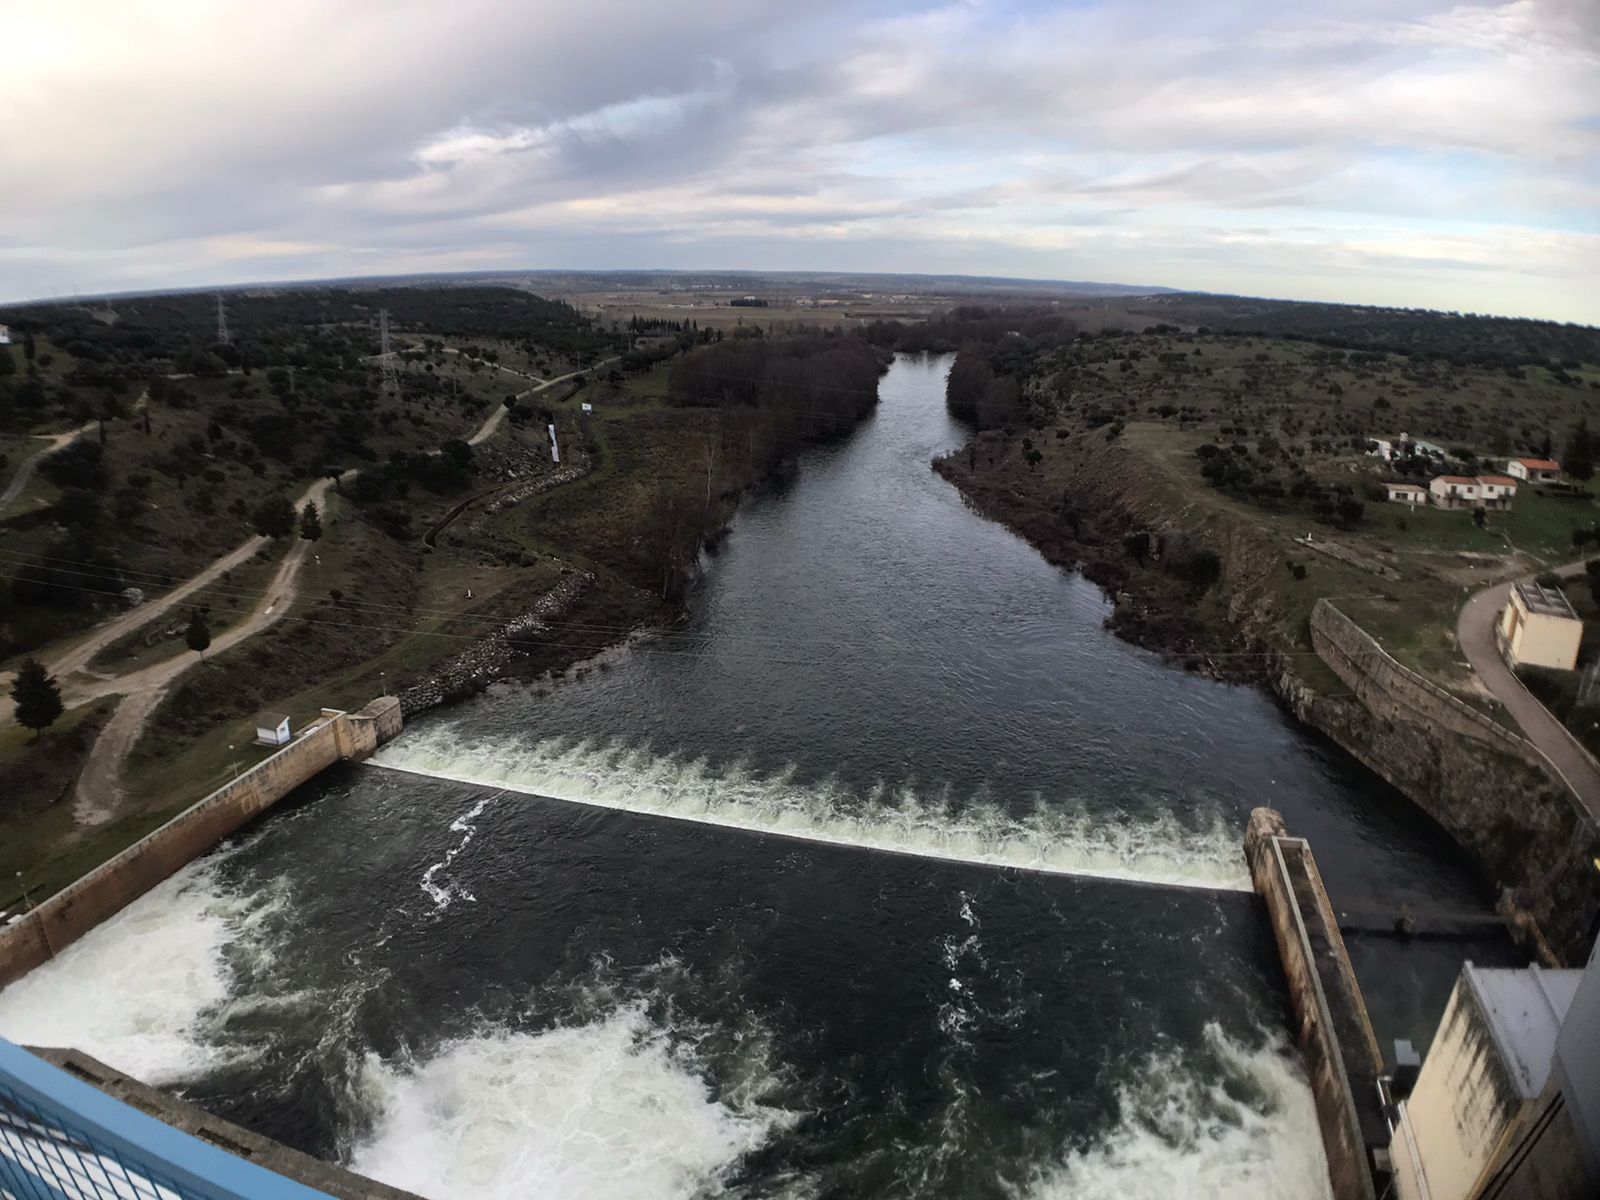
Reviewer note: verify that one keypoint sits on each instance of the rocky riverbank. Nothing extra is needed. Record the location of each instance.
(1208, 591)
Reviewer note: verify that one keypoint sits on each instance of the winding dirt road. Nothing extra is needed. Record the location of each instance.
(99, 789)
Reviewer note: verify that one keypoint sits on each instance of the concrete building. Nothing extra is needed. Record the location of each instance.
(1497, 490)
(272, 729)
(1534, 470)
(1538, 628)
(1406, 493)
(5, 335)
(1472, 491)
(1507, 1103)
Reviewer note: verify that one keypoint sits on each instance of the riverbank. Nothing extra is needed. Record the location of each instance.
(1219, 592)
(526, 580)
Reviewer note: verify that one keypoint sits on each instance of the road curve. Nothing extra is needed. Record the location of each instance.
(1475, 632)
(98, 789)
(25, 469)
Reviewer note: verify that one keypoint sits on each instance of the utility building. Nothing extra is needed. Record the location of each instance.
(1538, 628)
(1507, 1104)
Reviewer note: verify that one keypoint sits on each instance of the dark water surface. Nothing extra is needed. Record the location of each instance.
(1056, 987)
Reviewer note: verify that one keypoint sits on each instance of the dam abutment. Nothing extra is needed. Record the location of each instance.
(46, 930)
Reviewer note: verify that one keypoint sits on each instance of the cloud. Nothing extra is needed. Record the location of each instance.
(1403, 151)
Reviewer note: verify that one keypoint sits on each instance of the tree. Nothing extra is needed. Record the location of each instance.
(310, 522)
(274, 518)
(198, 635)
(37, 697)
(1581, 447)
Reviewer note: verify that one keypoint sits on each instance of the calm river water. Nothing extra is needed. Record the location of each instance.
(639, 936)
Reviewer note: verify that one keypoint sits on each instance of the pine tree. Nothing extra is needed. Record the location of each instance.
(1579, 462)
(198, 635)
(310, 522)
(37, 697)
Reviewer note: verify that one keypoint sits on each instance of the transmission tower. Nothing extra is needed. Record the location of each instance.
(222, 322)
(386, 357)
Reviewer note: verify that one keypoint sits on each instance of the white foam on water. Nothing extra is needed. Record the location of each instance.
(441, 895)
(587, 1112)
(1244, 1126)
(134, 991)
(1060, 840)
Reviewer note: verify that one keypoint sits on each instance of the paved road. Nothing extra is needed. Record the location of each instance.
(1475, 632)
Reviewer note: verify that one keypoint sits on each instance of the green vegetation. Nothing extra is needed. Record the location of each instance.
(38, 699)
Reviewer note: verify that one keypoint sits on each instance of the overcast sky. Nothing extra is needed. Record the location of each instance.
(1408, 152)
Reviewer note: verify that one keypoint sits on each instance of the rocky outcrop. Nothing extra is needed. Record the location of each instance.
(484, 660)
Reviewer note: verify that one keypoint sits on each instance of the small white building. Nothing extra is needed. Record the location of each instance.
(1534, 470)
(272, 729)
(1497, 491)
(1406, 493)
(5, 335)
(1380, 448)
(1539, 628)
(1454, 491)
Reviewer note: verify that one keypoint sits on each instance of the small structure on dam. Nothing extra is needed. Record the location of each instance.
(47, 929)
(72, 1126)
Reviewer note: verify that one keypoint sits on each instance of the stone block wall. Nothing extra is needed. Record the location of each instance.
(1488, 787)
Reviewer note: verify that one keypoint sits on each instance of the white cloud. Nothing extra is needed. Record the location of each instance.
(1404, 151)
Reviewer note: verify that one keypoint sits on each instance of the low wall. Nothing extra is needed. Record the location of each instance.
(46, 930)
(1487, 786)
(1335, 1036)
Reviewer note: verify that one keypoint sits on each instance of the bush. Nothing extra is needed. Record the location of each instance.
(1202, 568)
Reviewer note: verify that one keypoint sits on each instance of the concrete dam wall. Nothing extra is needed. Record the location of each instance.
(44, 932)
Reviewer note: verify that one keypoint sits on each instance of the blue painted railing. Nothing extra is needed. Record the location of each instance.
(62, 1139)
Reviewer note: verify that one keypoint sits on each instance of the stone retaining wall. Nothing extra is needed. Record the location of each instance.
(1487, 786)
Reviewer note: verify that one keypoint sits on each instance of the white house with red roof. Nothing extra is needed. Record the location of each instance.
(1534, 470)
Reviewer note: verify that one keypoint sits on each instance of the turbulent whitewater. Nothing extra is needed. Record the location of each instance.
(1056, 837)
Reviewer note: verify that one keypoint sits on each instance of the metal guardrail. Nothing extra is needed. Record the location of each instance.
(62, 1139)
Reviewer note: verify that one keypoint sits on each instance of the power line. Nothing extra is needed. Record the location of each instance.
(610, 633)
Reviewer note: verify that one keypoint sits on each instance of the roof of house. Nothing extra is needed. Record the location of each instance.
(270, 720)
(1405, 487)
(1498, 480)
(1524, 1010)
(1549, 602)
(1539, 464)
(1454, 479)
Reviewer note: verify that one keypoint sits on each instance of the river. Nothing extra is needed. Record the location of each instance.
(890, 873)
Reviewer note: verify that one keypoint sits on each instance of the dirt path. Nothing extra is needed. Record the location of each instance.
(1475, 632)
(99, 791)
(56, 441)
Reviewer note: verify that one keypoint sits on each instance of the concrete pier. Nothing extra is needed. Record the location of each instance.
(1335, 1034)
(42, 933)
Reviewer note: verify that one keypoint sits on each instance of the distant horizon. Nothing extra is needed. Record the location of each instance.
(1085, 288)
